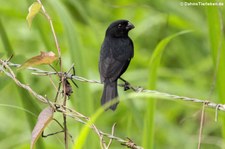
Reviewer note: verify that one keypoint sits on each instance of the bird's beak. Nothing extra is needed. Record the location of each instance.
(129, 26)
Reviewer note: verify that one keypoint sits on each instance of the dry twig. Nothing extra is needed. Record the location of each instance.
(5, 68)
(208, 103)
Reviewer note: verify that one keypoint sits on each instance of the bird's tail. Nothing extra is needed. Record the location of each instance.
(110, 94)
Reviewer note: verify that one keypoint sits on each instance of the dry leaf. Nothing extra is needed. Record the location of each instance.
(33, 10)
(43, 120)
(43, 58)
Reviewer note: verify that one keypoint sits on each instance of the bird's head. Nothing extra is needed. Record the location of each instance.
(119, 28)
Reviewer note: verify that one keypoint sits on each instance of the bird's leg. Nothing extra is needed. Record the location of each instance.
(74, 73)
(126, 84)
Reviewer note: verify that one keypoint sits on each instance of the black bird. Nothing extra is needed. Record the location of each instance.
(116, 52)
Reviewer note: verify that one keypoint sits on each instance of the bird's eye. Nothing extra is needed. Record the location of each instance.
(120, 25)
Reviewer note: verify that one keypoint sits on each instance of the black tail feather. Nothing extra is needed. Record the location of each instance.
(110, 93)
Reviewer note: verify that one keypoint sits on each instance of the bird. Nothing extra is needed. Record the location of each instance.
(116, 52)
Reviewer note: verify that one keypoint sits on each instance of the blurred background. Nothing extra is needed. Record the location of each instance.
(187, 68)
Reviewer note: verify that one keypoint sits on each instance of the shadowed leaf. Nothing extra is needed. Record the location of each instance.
(43, 58)
(33, 10)
(43, 120)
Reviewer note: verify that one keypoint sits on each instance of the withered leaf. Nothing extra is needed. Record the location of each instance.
(43, 58)
(33, 11)
(44, 119)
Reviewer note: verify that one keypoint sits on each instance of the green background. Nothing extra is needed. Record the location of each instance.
(191, 65)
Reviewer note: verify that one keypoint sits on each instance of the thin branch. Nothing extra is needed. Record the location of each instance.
(61, 70)
(64, 115)
(4, 67)
(201, 126)
(51, 134)
(110, 141)
(138, 89)
(53, 84)
(83, 119)
(52, 29)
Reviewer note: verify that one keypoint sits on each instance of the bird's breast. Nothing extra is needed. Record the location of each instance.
(122, 49)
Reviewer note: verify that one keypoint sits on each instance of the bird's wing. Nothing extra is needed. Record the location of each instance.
(112, 69)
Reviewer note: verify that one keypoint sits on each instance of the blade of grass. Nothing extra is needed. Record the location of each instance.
(79, 143)
(27, 101)
(148, 132)
(5, 40)
(217, 43)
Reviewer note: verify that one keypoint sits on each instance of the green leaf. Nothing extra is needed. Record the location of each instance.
(148, 135)
(33, 11)
(217, 45)
(85, 130)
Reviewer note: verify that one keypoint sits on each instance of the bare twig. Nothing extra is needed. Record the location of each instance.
(64, 115)
(61, 69)
(83, 119)
(216, 112)
(110, 141)
(4, 67)
(53, 84)
(52, 29)
(201, 126)
(130, 144)
(207, 103)
(8, 71)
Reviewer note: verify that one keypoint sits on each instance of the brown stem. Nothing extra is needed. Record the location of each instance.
(64, 115)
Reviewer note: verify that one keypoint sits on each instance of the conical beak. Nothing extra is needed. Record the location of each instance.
(129, 26)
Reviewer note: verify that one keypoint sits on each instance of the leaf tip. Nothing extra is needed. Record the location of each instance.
(33, 11)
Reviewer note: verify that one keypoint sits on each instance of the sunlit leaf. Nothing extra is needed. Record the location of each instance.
(33, 11)
(43, 58)
(43, 120)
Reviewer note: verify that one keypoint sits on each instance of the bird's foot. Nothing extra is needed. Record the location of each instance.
(126, 84)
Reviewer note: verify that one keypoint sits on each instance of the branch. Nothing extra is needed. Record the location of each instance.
(207, 103)
(83, 119)
(61, 68)
(52, 28)
(5, 68)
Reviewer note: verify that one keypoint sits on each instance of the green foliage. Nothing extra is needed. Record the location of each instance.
(217, 43)
(187, 67)
(148, 137)
(85, 130)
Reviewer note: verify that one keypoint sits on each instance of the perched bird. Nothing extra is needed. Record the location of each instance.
(115, 55)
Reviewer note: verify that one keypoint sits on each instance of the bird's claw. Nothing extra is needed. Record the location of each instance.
(126, 86)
